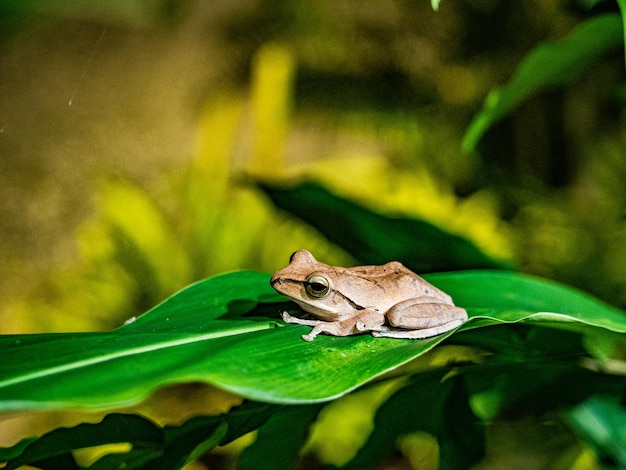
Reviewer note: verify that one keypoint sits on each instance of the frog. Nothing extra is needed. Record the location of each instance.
(388, 300)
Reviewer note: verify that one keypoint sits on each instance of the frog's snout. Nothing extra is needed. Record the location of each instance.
(275, 279)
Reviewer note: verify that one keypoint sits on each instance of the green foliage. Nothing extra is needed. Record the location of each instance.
(443, 411)
(277, 448)
(367, 233)
(225, 331)
(548, 65)
(531, 344)
(152, 446)
(601, 421)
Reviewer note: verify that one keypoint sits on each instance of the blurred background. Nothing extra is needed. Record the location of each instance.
(131, 133)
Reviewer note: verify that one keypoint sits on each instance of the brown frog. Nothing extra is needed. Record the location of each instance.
(388, 300)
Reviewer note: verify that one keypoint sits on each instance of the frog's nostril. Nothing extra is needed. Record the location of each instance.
(276, 280)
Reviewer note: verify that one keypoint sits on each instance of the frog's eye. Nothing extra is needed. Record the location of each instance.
(317, 286)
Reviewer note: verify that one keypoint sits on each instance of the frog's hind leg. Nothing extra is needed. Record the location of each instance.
(416, 320)
(417, 334)
(411, 315)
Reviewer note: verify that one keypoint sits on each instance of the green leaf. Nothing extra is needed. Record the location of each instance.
(8, 453)
(622, 8)
(114, 428)
(153, 447)
(501, 389)
(198, 435)
(279, 441)
(601, 419)
(435, 4)
(374, 238)
(551, 64)
(226, 331)
(433, 405)
(507, 297)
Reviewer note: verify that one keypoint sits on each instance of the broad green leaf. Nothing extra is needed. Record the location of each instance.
(374, 238)
(226, 331)
(511, 297)
(551, 64)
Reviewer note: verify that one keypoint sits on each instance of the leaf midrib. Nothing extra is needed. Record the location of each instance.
(49, 371)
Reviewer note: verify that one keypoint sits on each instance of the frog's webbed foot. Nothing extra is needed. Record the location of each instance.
(418, 334)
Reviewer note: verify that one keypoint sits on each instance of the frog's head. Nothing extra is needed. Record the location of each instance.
(311, 284)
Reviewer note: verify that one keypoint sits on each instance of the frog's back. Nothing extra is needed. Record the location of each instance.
(393, 268)
(394, 279)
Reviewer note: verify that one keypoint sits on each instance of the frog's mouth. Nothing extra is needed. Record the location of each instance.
(321, 313)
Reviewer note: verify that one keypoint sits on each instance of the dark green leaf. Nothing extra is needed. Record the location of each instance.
(136, 459)
(8, 453)
(246, 418)
(188, 442)
(59, 462)
(153, 448)
(375, 238)
(114, 428)
(279, 441)
(433, 405)
(550, 64)
(535, 387)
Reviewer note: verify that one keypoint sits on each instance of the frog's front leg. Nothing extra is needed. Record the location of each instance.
(299, 321)
(416, 320)
(363, 321)
(319, 326)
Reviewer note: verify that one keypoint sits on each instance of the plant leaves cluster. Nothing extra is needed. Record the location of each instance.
(367, 234)
(549, 65)
(151, 446)
(225, 331)
(221, 331)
